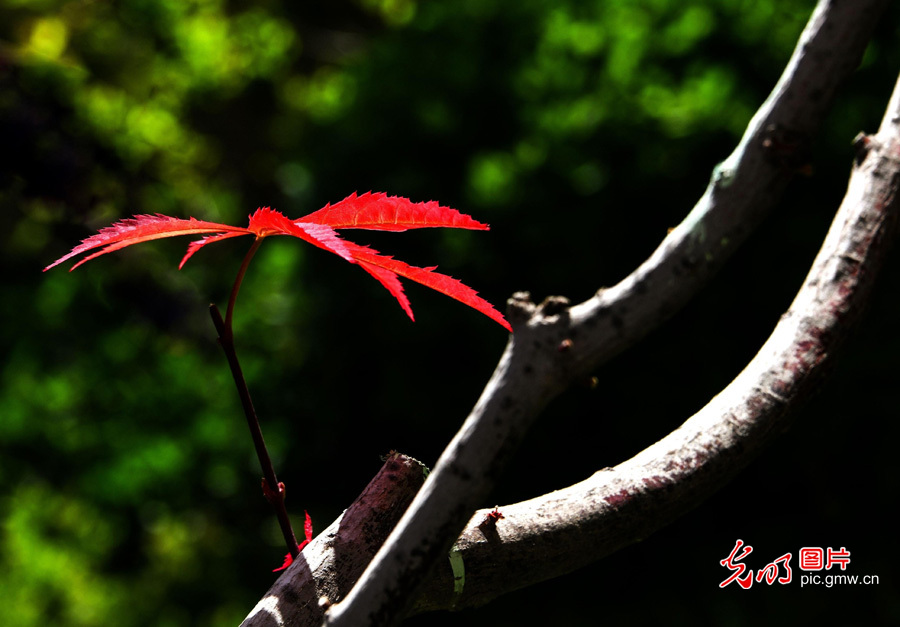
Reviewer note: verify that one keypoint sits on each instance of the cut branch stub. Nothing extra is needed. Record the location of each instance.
(329, 565)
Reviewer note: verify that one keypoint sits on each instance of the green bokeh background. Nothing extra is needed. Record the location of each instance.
(580, 130)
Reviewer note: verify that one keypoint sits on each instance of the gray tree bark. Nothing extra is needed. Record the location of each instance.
(554, 344)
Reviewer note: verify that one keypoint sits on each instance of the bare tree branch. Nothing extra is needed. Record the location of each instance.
(554, 344)
(559, 532)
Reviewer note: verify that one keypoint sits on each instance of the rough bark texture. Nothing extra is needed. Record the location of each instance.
(564, 530)
(554, 344)
(329, 565)
(536, 365)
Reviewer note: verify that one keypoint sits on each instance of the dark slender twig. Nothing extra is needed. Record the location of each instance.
(272, 489)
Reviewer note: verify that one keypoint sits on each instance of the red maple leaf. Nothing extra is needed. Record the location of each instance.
(374, 211)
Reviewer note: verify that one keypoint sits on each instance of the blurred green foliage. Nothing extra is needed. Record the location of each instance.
(579, 130)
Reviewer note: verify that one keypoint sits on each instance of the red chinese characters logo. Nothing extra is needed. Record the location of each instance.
(817, 558)
(744, 575)
(811, 558)
(744, 581)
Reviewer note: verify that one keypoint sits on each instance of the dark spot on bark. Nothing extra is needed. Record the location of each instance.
(617, 499)
(554, 305)
(655, 482)
(787, 148)
(459, 471)
(805, 346)
(861, 145)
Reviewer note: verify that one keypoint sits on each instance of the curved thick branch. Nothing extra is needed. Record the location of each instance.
(564, 530)
(554, 344)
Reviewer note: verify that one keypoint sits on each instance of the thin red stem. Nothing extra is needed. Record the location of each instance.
(229, 312)
(272, 489)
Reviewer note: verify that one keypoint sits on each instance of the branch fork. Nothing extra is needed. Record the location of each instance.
(557, 343)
